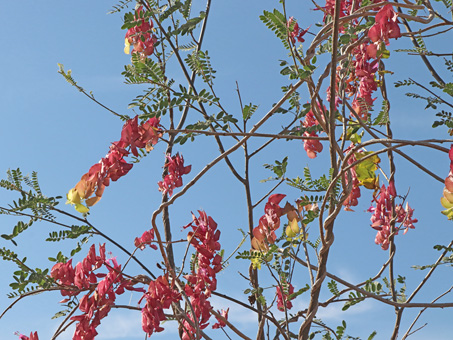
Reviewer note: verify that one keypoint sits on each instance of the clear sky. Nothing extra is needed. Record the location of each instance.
(49, 127)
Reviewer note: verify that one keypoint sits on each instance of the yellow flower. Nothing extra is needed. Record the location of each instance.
(74, 198)
(127, 46)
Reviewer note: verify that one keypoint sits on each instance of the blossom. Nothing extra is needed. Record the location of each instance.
(159, 296)
(447, 198)
(283, 300)
(264, 234)
(140, 36)
(383, 215)
(99, 297)
(146, 239)
(33, 336)
(221, 323)
(173, 179)
(295, 32)
(386, 25)
(204, 237)
(113, 166)
(311, 146)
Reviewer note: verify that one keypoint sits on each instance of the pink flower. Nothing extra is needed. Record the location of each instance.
(220, 322)
(33, 336)
(140, 36)
(311, 146)
(386, 25)
(282, 297)
(173, 179)
(382, 216)
(296, 32)
(146, 239)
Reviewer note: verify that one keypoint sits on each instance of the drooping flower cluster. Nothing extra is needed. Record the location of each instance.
(141, 37)
(385, 27)
(146, 239)
(283, 300)
(383, 213)
(221, 323)
(311, 146)
(352, 199)
(362, 82)
(296, 32)
(101, 295)
(173, 179)
(33, 336)
(159, 296)
(264, 234)
(447, 198)
(204, 237)
(91, 186)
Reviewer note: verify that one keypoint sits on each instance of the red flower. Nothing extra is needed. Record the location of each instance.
(113, 166)
(33, 336)
(386, 25)
(220, 322)
(264, 234)
(146, 239)
(296, 32)
(159, 296)
(140, 36)
(173, 179)
(282, 297)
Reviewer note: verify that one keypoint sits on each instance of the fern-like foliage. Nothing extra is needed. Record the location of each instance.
(189, 26)
(120, 6)
(39, 206)
(383, 116)
(276, 22)
(200, 63)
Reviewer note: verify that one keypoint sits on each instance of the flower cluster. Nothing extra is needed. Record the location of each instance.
(146, 239)
(33, 336)
(101, 295)
(351, 200)
(141, 37)
(385, 27)
(204, 237)
(264, 234)
(296, 32)
(283, 300)
(221, 323)
(173, 179)
(383, 214)
(91, 186)
(159, 296)
(447, 198)
(311, 146)
(361, 84)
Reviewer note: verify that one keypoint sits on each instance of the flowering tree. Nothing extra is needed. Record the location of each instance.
(336, 102)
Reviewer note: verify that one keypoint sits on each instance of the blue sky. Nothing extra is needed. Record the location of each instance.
(48, 127)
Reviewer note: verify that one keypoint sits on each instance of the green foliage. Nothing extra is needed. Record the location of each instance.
(279, 169)
(354, 298)
(276, 22)
(308, 184)
(446, 260)
(120, 6)
(176, 6)
(189, 26)
(294, 72)
(33, 201)
(74, 233)
(383, 116)
(333, 288)
(248, 111)
(185, 9)
(200, 63)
